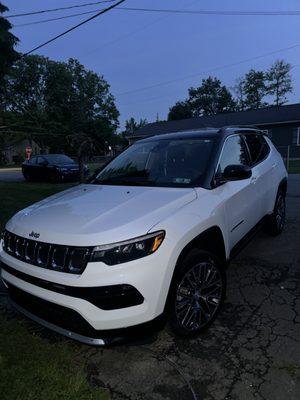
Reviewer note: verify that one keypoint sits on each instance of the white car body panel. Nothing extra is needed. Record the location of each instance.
(91, 215)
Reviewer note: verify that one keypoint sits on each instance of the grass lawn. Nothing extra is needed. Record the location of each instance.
(32, 367)
(15, 196)
(294, 167)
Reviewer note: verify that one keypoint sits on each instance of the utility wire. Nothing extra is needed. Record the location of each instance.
(42, 21)
(190, 12)
(214, 12)
(169, 11)
(207, 71)
(59, 9)
(74, 27)
(141, 28)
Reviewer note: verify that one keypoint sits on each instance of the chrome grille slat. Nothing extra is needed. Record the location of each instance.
(46, 255)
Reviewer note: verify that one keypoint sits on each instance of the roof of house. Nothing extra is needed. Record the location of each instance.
(260, 117)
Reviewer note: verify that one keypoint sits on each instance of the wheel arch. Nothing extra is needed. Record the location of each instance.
(283, 186)
(211, 240)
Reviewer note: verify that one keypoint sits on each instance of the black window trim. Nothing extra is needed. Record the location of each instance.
(223, 145)
(244, 134)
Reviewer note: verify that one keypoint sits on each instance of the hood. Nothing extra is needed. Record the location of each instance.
(89, 215)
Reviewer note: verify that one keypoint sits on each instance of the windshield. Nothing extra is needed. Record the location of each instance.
(59, 159)
(174, 163)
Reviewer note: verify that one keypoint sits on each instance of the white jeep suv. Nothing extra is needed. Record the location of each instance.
(151, 235)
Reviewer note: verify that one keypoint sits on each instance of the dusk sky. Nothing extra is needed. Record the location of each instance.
(134, 50)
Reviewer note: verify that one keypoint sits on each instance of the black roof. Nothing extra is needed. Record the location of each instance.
(205, 133)
(261, 117)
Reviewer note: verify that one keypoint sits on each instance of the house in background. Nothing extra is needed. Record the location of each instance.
(282, 124)
(14, 152)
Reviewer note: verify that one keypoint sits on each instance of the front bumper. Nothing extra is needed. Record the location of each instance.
(143, 309)
(69, 323)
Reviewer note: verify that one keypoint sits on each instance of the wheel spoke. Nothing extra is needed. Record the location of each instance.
(198, 296)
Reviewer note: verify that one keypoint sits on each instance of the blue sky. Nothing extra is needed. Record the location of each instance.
(133, 50)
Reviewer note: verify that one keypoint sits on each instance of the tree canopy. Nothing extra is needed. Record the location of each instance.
(279, 81)
(7, 43)
(208, 99)
(131, 125)
(53, 100)
(254, 90)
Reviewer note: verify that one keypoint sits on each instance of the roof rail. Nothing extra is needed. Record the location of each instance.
(241, 127)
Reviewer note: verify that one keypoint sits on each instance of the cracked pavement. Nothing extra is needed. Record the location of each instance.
(252, 351)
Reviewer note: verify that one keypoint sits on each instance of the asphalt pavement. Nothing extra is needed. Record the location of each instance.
(11, 175)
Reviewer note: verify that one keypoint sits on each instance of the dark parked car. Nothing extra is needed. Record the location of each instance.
(51, 167)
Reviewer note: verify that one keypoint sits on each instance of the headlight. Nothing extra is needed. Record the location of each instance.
(118, 253)
(63, 169)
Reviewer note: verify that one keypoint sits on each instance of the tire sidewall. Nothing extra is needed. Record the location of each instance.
(272, 225)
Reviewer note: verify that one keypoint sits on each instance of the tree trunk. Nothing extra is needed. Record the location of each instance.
(80, 155)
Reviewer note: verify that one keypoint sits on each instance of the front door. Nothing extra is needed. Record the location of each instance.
(240, 198)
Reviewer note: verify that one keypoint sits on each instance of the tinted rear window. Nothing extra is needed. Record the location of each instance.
(258, 147)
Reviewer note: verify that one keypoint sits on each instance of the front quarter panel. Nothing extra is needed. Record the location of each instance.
(186, 225)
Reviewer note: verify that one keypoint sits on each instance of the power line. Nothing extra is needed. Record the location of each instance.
(42, 21)
(215, 12)
(206, 71)
(169, 11)
(58, 9)
(165, 96)
(75, 27)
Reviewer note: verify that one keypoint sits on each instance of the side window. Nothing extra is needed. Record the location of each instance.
(258, 148)
(32, 161)
(40, 160)
(234, 153)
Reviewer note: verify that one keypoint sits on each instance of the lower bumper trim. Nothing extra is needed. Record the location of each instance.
(57, 329)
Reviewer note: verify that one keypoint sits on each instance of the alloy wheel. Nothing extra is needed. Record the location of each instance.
(280, 212)
(198, 296)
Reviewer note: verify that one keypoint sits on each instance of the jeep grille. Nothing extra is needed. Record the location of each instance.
(47, 255)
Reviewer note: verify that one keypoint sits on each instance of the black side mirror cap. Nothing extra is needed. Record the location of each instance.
(237, 172)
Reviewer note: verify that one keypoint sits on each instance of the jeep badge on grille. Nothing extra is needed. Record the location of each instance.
(34, 235)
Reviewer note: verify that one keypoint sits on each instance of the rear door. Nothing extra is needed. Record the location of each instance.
(41, 169)
(262, 165)
(239, 198)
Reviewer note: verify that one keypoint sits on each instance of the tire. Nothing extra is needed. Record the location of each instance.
(192, 307)
(276, 221)
(53, 178)
(26, 177)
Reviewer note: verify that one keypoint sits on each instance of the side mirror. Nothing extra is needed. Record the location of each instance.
(237, 172)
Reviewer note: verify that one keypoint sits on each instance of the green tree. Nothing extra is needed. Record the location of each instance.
(7, 56)
(7, 43)
(210, 98)
(279, 81)
(131, 125)
(239, 92)
(181, 110)
(61, 104)
(255, 89)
